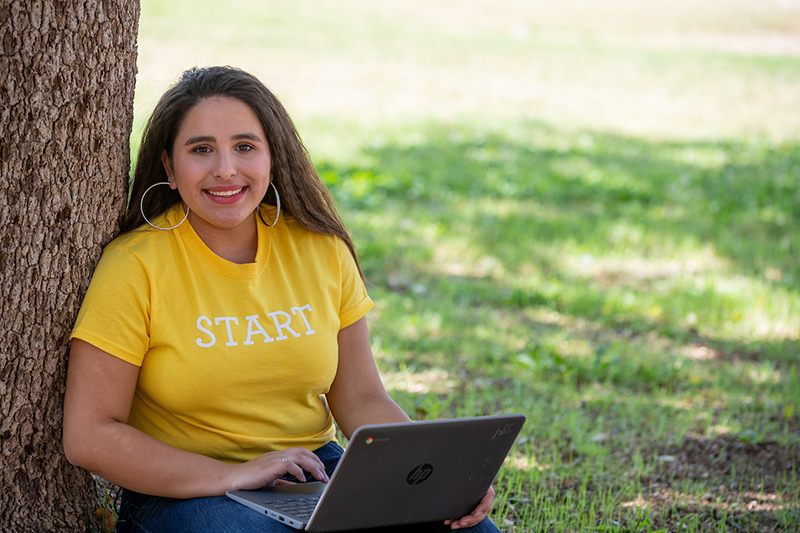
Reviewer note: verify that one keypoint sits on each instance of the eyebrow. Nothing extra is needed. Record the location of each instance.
(209, 138)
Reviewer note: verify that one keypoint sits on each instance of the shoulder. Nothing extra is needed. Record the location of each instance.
(288, 229)
(290, 239)
(139, 247)
(132, 239)
(146, 237)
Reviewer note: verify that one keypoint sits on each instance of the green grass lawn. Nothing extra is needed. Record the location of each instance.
(621, 293)
(587, 213)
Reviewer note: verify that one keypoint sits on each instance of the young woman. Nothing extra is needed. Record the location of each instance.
(224, 330)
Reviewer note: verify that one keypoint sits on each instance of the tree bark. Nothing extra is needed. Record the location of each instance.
(67, 73)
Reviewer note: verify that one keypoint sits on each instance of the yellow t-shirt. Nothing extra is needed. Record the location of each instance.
(235, 359)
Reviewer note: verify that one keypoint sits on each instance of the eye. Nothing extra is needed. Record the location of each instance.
(245, 147)
(202, 149)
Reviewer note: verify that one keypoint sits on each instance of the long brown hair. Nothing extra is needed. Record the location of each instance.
(302, 193)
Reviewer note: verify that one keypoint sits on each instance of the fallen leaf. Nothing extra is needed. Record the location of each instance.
(600, 437)
(106, 518)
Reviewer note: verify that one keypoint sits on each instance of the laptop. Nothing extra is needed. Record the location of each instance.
(393, 474)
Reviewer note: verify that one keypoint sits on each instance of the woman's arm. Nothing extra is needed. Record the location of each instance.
(358, 397)
(98, 400)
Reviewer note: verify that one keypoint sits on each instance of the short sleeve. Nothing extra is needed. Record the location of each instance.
(115, 313)
(354, 301)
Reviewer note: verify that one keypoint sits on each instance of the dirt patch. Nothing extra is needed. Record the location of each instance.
(730, 460)
(698, 484)
(750, 486)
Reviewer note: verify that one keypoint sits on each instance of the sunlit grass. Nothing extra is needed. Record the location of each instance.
(679, 69)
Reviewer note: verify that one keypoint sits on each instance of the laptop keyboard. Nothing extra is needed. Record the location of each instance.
(300, 508)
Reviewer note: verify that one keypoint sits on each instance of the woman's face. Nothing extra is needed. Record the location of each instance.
(220, 164)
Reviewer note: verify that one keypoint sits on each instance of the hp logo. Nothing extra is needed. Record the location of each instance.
(419, 474)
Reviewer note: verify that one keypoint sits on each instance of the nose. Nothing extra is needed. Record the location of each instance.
(224, 165)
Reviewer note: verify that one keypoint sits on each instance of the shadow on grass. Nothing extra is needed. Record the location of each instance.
(741, 199)
(557, 479)
(719, 484)
(622, 293)
(636, 237)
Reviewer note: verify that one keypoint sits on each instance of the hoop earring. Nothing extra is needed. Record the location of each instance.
(141, 208)
(278, 204)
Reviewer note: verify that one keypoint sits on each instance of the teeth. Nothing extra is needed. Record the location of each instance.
(225, 193)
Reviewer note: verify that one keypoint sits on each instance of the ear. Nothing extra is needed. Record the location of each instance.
(168, 169)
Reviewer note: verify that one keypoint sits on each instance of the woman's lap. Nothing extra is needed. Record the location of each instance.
(223, 515)
(151, 514)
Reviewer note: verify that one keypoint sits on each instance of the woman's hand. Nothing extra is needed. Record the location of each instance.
(267, 469)
(480, 512)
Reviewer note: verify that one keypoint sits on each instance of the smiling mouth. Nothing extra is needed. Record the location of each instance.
(225, 194)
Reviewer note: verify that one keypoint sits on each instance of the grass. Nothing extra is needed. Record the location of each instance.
(634, 317)
(586, 212)
(574, 279)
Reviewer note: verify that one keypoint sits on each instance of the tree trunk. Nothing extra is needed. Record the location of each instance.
(67, 72)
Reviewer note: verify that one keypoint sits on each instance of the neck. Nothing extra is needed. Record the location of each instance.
(237, 245)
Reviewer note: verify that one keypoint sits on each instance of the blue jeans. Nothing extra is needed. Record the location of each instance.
(140, 513)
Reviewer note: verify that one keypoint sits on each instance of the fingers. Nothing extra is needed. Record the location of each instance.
(468, 521)
(267, 469)
(480, 512)
(296, 460)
